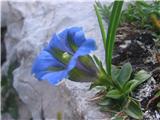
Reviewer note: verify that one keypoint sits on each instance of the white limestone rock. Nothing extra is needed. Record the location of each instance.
(27, 36)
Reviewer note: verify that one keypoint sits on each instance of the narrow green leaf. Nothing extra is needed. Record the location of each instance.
(99, 64)
(96, 60)
(125, 73)
(113, 24)
(103, 32)
(108, 78)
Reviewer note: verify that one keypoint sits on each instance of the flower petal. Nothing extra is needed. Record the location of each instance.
(74, 30)
(86, 48)
(60, 41)
(71, 31)
(42, 62)
(55, 77)
(57, 42)
(48, 65)
(68, 36)
(79, 38)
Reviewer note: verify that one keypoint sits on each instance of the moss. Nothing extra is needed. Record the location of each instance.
(8, 94)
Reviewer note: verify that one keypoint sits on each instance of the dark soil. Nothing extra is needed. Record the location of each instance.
(156, 75)
(139, 51)
(138, 48)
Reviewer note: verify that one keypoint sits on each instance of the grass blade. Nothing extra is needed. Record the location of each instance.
(113, 24)
(103, 32)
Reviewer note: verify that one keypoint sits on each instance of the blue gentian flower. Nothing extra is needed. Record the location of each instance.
(61, 55)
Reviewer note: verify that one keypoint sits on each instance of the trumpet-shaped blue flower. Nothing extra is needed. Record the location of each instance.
(60, 56)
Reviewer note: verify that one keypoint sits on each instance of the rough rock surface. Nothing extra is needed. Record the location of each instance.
(30, 25)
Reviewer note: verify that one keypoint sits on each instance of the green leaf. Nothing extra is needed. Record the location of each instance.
(141, 76)
(134, 110)
(96, 61)
(104, 10)
(10, 104)
(102, 80)
(107, 109)
(115, 72)
(119, 117)
(137, 12)
(112, 106)
(158, 105)
(115, 94)
(130, 86)
(4, 81)
(157, 94)
(125, 73)
(113, 24)
(105, 102)
(145, 4)
(98, 64)
(103, 31)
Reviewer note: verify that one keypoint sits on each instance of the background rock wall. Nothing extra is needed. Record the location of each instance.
(30, 25)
